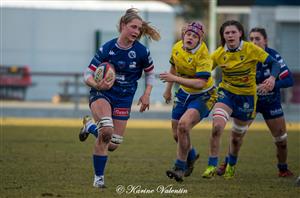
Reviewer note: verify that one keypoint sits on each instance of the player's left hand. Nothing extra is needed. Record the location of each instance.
(269, 83)
(144, 101)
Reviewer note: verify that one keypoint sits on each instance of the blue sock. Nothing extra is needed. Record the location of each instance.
(192, 154)
(212, 161)
(226, 159)
(99, 164)
(93, 130)
(232, 160)
(181, 164)
(282, 166)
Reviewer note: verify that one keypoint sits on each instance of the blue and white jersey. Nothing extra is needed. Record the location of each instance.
(284, 79)
(129, 64)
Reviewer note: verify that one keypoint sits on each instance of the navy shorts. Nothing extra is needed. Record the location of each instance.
(203, 102)
(120, 105)
(243, 106)
(270, 109)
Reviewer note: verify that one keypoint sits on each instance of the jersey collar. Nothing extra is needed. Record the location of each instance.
(193, 51)
(239, 48)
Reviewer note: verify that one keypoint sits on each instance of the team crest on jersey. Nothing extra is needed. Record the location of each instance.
(246, 105)
(190, 59)
(242, 57)
(224, 58)
(131, 54)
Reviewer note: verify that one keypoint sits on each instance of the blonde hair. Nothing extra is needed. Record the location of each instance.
(147, 30)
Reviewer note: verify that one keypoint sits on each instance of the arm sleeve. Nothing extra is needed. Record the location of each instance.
(275, 66)
(285, 79)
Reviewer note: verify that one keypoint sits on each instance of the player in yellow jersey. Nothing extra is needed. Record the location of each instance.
(191, 69)
(237, 92)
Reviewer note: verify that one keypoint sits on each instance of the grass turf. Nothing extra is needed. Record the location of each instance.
(51, 162)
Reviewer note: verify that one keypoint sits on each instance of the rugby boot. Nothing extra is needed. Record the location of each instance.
(190, 166)
(210, 172)
(176, 174)
(84, 134)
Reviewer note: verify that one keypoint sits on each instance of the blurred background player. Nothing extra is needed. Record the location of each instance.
(110, 104)
(269, 104)
(191, 69)
(237, 92)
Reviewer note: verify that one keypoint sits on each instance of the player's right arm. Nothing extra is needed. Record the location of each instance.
(88, 75)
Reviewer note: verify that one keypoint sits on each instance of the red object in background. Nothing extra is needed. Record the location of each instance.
(296, 88)
(14, 81)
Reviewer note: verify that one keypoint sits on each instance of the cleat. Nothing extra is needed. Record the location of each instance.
(210, 172)
(297, 183)
(221, 169)
(286, 173)
(99, 182)
(83, 134)
(190, 166)
(229, 172)
(175, 173)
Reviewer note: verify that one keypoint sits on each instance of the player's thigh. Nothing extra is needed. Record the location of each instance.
(119, 127)
(190, 118)
(100, 108)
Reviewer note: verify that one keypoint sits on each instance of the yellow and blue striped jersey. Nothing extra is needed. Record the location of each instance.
(192, 65)
(239, 67)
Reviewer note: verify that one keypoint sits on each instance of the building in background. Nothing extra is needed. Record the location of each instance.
(62, 36)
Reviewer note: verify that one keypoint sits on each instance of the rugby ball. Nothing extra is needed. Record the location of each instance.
(105, 71)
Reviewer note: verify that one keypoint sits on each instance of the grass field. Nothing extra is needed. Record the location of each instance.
(51, 162)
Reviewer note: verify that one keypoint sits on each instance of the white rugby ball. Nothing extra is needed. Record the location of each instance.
(105, 71)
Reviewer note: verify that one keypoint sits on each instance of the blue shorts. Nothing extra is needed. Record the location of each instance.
(243, 106)
(270, 109)
(202, 102)
(120, 105)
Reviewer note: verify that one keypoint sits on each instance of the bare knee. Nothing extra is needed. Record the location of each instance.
(236, 140)
(183, 127)
(106, 133)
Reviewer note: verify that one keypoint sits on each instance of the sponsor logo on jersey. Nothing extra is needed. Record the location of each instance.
(120, 77)
(276, 112)
(132, 65)
(131, 54)
(111, 53)
(121, 112)
(121, 64)
(267, 72)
